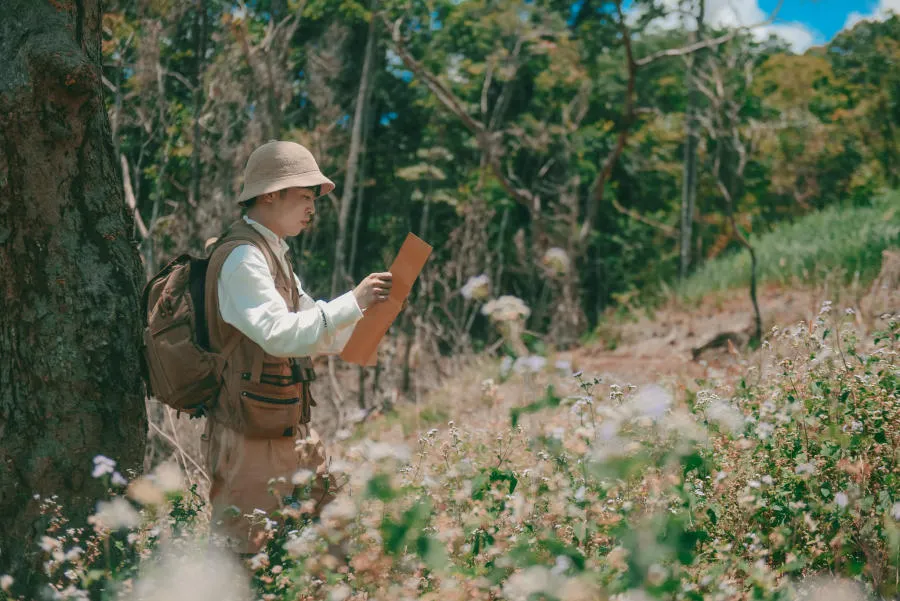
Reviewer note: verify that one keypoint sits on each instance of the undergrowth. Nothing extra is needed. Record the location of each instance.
(782, 484)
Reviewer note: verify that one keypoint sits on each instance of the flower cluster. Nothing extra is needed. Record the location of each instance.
(556, 261)
(506, 308)
(477, 288)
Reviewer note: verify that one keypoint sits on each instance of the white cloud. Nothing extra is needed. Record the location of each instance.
(798, 35)
(880, 13)
(743, 13)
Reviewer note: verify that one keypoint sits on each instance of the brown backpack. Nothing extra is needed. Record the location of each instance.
(179, 368)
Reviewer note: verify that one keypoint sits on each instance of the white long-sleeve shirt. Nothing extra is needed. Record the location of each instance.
(249, 301)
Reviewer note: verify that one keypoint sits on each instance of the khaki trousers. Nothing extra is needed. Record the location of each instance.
(255, 473)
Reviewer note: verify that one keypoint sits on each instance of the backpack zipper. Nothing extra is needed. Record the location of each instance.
(264, 399)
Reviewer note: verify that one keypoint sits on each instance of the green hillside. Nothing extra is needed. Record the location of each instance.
(849, 239)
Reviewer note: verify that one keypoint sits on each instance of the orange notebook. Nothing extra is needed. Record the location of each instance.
(363, 344)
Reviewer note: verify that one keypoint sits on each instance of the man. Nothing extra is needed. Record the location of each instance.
(258, 434)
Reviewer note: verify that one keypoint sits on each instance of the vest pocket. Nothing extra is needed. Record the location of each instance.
(270, 415)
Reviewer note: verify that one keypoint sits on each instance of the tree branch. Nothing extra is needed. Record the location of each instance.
(130, 200)
(708, 43)
(453, 104)
(599, 185)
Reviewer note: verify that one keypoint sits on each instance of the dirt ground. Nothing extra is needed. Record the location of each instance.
(719, 327)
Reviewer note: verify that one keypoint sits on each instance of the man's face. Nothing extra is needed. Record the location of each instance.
(293, 209)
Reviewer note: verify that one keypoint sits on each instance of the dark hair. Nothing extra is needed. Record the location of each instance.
(248, 204)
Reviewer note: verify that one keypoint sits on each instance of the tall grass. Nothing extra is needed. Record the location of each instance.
(838, 238)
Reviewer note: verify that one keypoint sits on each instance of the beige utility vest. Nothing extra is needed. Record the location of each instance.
(262, 396)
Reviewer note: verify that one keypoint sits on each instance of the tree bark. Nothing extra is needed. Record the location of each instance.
(689, 183)
(70, 329)
(362, 100)
(200, 34)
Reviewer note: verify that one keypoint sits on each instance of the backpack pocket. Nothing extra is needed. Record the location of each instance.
(270, 411)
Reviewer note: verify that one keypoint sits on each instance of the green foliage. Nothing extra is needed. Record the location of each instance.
(545, 80)
(839, 238)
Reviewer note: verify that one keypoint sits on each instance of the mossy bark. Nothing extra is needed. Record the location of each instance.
(70, 274)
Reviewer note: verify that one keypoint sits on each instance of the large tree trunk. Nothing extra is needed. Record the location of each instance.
(69, 317)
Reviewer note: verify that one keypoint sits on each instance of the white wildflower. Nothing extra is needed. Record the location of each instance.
(764, 430)
(103, 465)
(145, 492)
(651, 401)
(477, 288)
(168, 477)
(632, 595)
(830, 589)
(200, 574)
(6, 581)
(564, 366)
(339, 593)
(506, 308)
(115, 515)
(725, 415)
(841, 499)
(529, 364)
(339, 510)
(301, 477)
(805, 468)
(557, 261)
(118, 479)
(563, 563)
(259, 561)
(49, 544)
(530, 581)
(378, 451)
(657, 574)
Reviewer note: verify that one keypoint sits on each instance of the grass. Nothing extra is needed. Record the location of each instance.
(849, 239)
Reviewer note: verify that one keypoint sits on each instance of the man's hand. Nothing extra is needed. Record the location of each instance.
(374, 289)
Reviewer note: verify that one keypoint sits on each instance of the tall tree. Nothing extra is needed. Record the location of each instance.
(69, 318)
(362, 99)
(689, 182)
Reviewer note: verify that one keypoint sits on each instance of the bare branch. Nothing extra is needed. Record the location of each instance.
(666, 229)
(130, 201)
(454, 105)
(180, 78)
(709, 43)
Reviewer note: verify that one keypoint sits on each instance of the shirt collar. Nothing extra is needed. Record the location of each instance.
(270, 236)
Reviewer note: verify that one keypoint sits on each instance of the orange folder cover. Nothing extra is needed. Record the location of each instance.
(363, 344)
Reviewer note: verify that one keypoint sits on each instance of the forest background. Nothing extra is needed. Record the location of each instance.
(573, 155)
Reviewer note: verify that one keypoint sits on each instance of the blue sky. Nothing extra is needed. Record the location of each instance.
(802, 23)
(824, 17)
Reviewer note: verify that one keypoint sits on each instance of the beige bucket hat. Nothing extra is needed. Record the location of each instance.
(277, 165)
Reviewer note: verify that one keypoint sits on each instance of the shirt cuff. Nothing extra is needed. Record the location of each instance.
(343, 311)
